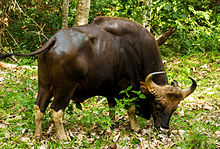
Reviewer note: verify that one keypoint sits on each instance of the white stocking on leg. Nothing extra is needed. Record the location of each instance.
(132, 119)
(38, 122)
(57, 118)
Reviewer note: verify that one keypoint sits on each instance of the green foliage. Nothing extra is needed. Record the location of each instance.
(91, 115)
(118, 8)
(197, 22)
(197, 25)
(129, 97)
(197, 139)
(29, 35)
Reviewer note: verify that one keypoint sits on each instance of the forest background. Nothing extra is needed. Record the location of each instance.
(196, 22)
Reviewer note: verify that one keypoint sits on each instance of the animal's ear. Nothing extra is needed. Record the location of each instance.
(174, 83)
(143, 87)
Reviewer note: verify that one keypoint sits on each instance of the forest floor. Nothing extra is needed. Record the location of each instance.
(195, 124)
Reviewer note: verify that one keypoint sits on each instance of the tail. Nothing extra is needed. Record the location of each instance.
(38, 51)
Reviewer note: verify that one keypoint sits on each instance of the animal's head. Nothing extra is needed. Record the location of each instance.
(166, 99)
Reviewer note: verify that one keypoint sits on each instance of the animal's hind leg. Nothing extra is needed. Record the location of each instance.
(61, 100)
(43, 99)
(38, 122)
(58, 120)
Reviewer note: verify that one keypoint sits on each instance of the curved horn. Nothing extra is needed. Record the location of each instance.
(151, 86)
(190, 90)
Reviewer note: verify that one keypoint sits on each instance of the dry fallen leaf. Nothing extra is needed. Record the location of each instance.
(79, 118)
(217, 135)
(116, 136)
(7, 135)
(2, 126)
(174, 131)
(113, 146)
(207, 107)
(25, 139)
(24, 131)
(181, 113)
(190, 99)
(182, 132)
(43, 147)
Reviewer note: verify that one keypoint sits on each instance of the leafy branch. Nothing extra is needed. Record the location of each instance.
(41, 28)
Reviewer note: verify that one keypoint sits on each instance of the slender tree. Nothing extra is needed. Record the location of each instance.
(146, 23)
(65, 12)
(3, 19)
(4, 10)
(147, 14)
(82, 13)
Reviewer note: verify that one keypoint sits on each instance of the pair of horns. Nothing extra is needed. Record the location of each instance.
(154, 88)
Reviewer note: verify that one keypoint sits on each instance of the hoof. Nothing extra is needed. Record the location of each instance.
(64, 137)
(38, 136)
(136, 129)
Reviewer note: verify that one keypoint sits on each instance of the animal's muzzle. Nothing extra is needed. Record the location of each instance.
(162, 121)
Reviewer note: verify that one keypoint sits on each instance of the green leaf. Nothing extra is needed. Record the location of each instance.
(167, 6)
(206, 15)
(104, 126)
(136, 92)
(121, 92)
(142, 96)
(129, 88)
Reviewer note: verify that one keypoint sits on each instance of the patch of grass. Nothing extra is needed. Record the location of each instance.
(195, 124)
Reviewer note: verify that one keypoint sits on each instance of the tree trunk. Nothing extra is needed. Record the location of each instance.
(164, 36)
(82, 14)
(147, 14)
(65, 12)
(2, 21)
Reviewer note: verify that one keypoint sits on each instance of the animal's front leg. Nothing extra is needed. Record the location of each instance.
(38, 122)
(57, 118)
(132, 119)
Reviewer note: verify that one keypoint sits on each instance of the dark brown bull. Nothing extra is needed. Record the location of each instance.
(104, 58)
